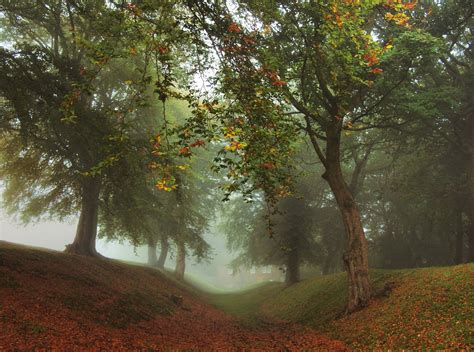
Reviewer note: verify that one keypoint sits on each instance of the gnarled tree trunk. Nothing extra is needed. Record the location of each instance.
(180, 261)
(152, 260)
(356, 253)
(163, 253)
(86, 233)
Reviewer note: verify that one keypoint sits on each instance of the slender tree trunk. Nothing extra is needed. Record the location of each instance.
(470, 231)
(326, 265)
(330, 265)
(356, 254)
(152, 260)
(459, 242)
(163, 253)
(86, 233)
(471, 243)
(180, 261)
(292, 274)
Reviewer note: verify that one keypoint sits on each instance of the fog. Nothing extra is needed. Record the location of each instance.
(213, 274)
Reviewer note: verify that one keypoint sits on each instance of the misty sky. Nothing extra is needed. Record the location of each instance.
(56, 235)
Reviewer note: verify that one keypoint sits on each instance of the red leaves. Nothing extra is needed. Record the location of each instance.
(279, 83)
(198, 143)
(371, 59)
(376, 70)
(234, 28)
(163, 49)
(268, 165)
(58, 303)
(184, 151)
(274, 77)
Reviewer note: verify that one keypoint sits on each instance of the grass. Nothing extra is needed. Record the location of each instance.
(427, 309)
(245, 304)
(430, 308)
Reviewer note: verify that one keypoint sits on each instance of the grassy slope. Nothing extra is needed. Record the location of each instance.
(130, 293)
(429, 308)
(55, 301)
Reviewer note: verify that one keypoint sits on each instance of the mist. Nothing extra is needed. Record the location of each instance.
(243, 175)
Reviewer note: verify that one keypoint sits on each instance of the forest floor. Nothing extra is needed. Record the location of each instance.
(52, 300)
(415, 309)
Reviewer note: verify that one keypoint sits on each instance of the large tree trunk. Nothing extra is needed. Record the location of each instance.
(86, 233)
(180, 261)
(163, 253)
(356, 254)
(292, 274)
(152, 260)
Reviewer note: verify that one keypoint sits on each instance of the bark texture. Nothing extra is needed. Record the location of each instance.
(356, 253)
(163, 253)
(86, 233)
(180, 261)
(152, 260)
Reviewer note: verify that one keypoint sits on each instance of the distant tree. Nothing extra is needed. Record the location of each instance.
(292, 242)
(431, 177)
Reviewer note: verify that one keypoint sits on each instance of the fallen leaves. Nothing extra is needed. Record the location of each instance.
(56, 301)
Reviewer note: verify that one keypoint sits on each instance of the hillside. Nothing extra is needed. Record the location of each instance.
(53, 300)
(430, 308)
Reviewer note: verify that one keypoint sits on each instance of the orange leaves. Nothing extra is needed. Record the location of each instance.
(274, 77)
(198, 143)
(186, 150)
(279, 83)
(371, 58)
(235, 145)
(125, 309)
(231, 133)
(165, 185)
(410, 5)
(399, 18)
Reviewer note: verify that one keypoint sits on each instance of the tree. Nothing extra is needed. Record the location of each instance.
(294, 239)
(67, 95)
(432, 117)
(307, 67)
